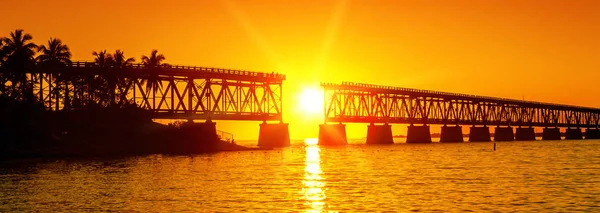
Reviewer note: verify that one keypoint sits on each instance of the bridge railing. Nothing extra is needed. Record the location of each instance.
(170, 67)
(403, 89)
(226, 136)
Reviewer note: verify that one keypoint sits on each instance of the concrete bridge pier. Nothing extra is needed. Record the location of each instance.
(525, 134)
(451, 134)
(332, 134)
(504, 134)
(479, 134)
(380, 134)
(274, 135)
(551, 134)
(206, 130)
(418, 134)
(204, 137)
(592, 134)
(573, 134)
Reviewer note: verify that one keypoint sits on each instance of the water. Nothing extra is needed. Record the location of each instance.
(546, 176)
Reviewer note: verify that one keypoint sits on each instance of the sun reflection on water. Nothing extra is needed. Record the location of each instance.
(313, 185)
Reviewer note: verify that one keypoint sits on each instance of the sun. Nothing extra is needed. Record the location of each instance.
(310, 101)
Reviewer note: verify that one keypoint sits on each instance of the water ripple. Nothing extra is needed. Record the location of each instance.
(527, 177)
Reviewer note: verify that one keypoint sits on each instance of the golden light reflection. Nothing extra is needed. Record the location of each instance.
(313, 190)
(311, 141)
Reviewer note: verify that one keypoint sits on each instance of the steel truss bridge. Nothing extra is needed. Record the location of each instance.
(367, 103)
(185, 92)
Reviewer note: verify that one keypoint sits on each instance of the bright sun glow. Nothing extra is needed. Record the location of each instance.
(310, 101)
(311, 141)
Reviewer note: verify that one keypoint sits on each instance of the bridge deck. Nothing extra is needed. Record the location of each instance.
(367, 103)
(195, 72)
(180, 92)
(349, 86)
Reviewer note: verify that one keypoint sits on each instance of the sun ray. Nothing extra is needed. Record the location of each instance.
(259, 39)
(331, 33)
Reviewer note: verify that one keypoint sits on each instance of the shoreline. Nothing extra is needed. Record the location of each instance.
(33, 156)
(57, 152)
(30, 131)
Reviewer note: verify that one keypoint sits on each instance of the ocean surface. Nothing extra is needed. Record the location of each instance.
(540, 176)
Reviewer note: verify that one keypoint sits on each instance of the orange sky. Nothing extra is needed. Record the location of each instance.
(544, 50)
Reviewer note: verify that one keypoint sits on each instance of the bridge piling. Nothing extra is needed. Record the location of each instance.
(204, 136)
(274, 135)
(379, 134)
(551, 134)
(592, 134)
(479, 134)
(573, 134)
(370, 103)
(418, 134)
(504, 134)
(332, 134)
(451, 134)
(525, 134)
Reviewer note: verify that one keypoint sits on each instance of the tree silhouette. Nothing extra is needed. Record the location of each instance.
(120, 61)
(2, 55)
(102, 59)
(97, 85)
(3, 75)
(20, 51)
(56, 53)
(54, 57)
(153, 64)
(154, 61)
(2, 52)
(116, 81)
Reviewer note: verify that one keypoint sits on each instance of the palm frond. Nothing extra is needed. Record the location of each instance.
(129, 60)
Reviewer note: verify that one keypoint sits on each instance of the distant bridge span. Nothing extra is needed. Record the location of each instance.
(367, 103)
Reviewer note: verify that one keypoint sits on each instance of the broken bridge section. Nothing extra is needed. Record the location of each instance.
(420, 109)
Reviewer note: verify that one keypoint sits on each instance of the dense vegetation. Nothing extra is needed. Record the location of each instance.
(95, 114)
(20, 57)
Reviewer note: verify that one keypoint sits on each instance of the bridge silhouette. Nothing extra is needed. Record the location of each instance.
(203, 93)
(177, 92)
(367, 103)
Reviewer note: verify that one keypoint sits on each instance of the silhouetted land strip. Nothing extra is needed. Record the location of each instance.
(93, 114)
(29, 131)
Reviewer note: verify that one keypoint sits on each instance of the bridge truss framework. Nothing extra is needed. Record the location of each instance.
(184, 92)
(367, 103)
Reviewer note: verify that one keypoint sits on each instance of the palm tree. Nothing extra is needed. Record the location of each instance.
(2, 75)
(2, 55)
(97, 85)
(154, 61)
(56, 53)
(19, 51)
(102, 58)
(153, 64)
(53, 57)
(119, 63)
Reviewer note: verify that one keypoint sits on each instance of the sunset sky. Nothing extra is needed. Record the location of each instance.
(542, 50)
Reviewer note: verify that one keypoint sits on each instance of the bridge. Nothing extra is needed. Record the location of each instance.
(171, 92)
(367, 103)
